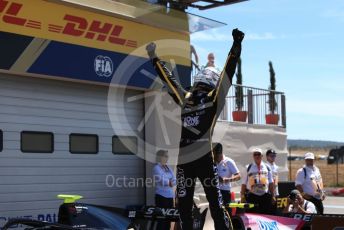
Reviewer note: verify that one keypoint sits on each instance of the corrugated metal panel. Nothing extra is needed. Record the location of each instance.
(29, 182)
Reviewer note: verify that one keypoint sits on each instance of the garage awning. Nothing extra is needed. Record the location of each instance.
(207, 4)
(150, 14)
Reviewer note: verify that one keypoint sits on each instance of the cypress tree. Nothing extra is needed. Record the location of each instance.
(239, 97)
(272, 101)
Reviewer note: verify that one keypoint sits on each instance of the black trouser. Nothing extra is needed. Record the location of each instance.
(318, 205)
(263, 202)
(227, 198)
(273, 208)
(205, 170)
(163, 202)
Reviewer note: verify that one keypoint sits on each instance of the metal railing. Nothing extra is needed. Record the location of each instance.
(256, 104)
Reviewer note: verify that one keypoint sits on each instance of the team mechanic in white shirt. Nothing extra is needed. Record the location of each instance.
(164, 181)
(309, 182)
(258, 187)
(270, 161)
(228, 172)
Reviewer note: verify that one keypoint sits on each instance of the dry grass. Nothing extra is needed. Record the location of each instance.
(316, 151)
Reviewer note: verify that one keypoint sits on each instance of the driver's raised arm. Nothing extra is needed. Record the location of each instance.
(174, 88)
(225, 81)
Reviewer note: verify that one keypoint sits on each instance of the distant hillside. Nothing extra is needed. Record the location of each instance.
(313, 144)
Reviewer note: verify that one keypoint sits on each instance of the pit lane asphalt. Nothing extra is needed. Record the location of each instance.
(334, 205)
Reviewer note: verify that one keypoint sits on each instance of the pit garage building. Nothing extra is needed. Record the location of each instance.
(78, 109)
(72, 84)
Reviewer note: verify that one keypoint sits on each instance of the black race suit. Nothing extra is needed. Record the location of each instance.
(199, 115)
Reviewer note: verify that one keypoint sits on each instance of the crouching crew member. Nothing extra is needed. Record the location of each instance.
(297, 204)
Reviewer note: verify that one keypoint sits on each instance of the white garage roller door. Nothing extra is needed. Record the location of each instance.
(29, 182)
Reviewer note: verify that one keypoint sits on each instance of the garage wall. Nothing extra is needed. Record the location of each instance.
(239, 139)
(29, 182)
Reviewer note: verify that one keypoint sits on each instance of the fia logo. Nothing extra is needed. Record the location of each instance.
(103, 66)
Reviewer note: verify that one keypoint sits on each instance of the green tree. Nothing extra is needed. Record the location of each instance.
(272, 100)
(239, 97)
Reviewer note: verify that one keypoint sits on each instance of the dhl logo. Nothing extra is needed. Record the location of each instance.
(75, 26)
(11, 12)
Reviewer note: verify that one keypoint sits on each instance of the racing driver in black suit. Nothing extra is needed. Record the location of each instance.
(201, 106)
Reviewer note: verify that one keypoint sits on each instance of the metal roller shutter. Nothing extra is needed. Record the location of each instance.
(29, 182)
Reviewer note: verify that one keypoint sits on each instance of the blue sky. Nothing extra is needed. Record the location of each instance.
(304, 40)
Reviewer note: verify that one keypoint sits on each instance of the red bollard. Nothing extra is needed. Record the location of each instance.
(233, 200)
(338, 192)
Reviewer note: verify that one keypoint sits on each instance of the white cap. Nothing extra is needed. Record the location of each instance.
(257, 150)
(309, 155)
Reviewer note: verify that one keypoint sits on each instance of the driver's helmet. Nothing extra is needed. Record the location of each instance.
(207, 77)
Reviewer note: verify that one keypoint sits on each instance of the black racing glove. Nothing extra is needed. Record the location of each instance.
(238, 36)
(151, 50)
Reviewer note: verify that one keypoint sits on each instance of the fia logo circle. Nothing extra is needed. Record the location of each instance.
(103, 66)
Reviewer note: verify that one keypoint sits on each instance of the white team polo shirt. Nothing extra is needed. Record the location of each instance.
(226, 168)
(312, 180)
(274, 169)
(258, 179)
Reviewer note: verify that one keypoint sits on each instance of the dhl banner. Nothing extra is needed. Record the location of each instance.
(45, 38)
(39, 18)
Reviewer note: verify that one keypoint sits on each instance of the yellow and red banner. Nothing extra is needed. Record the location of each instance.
(52, 21)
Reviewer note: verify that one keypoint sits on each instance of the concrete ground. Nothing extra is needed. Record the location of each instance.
(334, 205)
